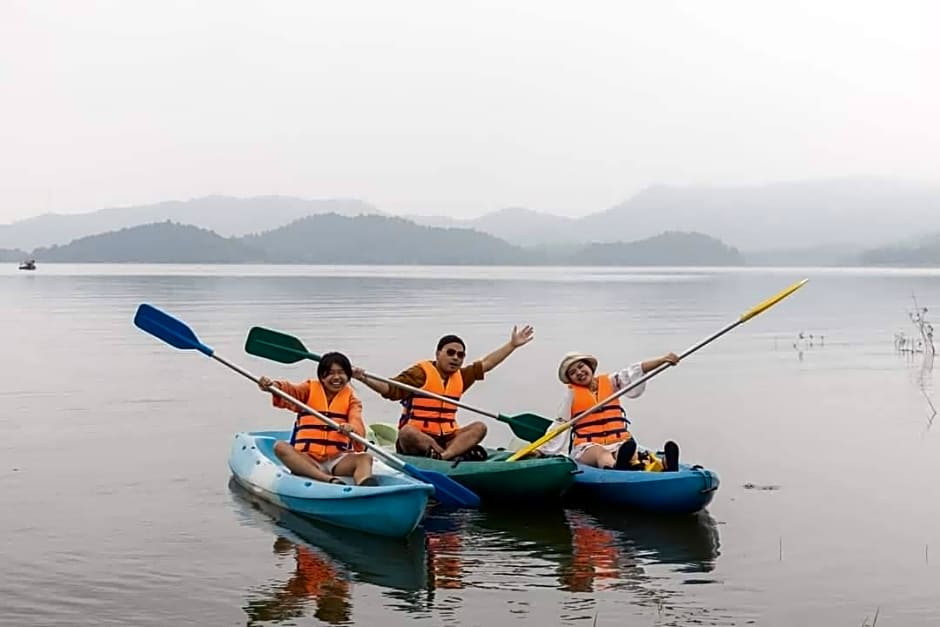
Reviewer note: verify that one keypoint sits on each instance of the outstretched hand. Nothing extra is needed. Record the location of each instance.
(265, 383)
(521, 337)
(671, 358)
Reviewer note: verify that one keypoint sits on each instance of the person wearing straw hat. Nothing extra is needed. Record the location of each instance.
(603, 439)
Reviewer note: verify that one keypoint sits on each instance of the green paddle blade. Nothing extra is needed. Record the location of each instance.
(529, 427)
(385, 434)
(277, 346)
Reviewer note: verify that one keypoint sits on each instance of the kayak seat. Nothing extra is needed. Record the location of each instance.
(266, 448)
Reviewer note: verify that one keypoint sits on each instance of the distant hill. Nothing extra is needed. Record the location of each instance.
(925, 253)
(225, 215)
(823, 255)
(859, 211)
(667, 249)
(518, 225)
(772, 220)
(164, 242)
(330, 238)
(7, 254)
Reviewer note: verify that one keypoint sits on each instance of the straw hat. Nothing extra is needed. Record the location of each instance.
(569, 359)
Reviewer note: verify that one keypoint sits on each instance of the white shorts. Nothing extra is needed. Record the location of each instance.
(328, 465)
(580, 449)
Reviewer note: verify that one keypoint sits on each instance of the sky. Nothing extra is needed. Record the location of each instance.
(456, 108)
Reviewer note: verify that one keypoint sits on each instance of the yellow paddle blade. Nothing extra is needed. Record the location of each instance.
(542, 440)
(770, 302)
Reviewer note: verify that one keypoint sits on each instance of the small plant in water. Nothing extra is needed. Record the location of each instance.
(874, 620)
(918, 317)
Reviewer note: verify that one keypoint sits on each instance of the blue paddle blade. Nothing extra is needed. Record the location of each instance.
(446, 490)
(167, 328)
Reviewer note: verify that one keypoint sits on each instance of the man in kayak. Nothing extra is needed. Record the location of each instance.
(316, 450)
(428, 427)
(603, 439)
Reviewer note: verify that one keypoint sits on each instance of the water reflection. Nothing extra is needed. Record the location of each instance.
(315, 581)
(593, 551)
(610, 548)
(326, 561)
(689, 543)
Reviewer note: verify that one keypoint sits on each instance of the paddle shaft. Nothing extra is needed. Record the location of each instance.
(391, 460)
(423, 392)
(652, 373)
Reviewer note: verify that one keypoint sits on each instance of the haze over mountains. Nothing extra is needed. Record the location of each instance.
(846, 214)
(226, 215)
(825, 221)
(373, 239)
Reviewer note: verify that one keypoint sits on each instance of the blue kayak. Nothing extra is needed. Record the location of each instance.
(392, 508)
(685, 491)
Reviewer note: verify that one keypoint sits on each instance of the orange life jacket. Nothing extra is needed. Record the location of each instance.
(606, 424)
(315, 438)
(430, 415)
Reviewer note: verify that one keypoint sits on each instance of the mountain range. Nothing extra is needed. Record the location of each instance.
(822, 222)
(226, 215)
(371, 239)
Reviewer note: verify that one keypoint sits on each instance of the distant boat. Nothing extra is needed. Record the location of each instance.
(28, 265)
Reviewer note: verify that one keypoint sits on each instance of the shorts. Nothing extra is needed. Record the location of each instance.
(580, 449)
(442, 441)
(327, 465)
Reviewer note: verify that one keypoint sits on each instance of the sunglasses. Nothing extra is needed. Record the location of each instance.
(451, 352)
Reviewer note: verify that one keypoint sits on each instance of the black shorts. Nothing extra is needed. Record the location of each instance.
(441, 440)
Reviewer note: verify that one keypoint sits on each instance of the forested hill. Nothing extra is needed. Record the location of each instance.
(373, 239)
(163, 242)
(673, 248)
(923, 253)
(335, 239)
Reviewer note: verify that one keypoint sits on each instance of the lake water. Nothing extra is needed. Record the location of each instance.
(117, 504)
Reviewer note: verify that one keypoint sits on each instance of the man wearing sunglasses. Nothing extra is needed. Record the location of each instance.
(428, 426)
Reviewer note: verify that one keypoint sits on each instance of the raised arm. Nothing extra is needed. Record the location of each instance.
(652, 364)
(518, 337)
(625, 377)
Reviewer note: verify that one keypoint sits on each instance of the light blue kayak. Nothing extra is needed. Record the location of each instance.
(392, 508)
(685, 491)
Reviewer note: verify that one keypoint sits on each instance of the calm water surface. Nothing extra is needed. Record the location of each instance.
(118, 506)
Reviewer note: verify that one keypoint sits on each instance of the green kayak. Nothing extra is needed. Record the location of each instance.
(540, 479)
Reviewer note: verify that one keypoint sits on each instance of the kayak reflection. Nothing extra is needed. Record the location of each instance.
(609, 547)
(327, 560)
(576, 550)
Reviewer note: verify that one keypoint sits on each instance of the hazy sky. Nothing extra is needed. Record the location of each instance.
(456, 107)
